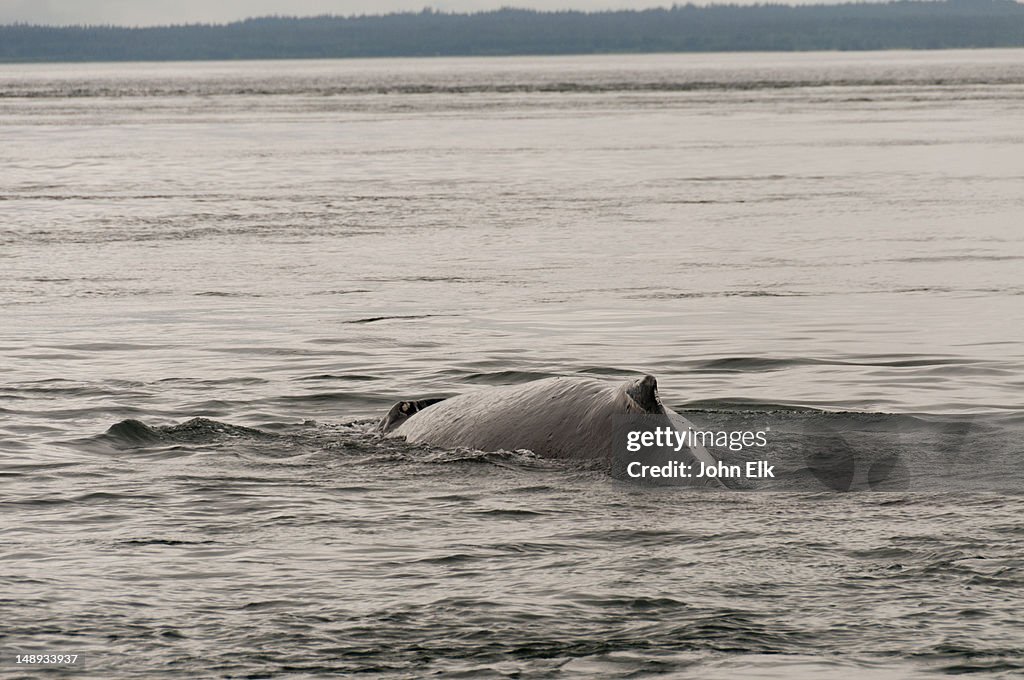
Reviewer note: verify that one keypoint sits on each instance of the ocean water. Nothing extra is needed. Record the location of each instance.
(214, 278)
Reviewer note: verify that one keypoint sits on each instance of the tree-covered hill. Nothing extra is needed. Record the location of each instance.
(682, 28)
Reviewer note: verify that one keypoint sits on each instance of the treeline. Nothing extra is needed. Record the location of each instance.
(685, 28)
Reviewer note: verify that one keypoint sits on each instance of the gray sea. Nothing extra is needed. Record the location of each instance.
(215, 277)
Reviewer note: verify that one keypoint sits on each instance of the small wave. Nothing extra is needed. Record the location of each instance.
(635, 604)
(239, 380)
(521, 459)
(755, 363)
(334, 397)
(343, 292)
(745, 405)
(219, 293)
(609, 371)
(745, 364)
(93, 498)
(162, 541)
(263, 605)
(397, 317)
(108, 346)
(508, 512)
(967, 257)
(505, 377)
(676, 295)
(342, 376)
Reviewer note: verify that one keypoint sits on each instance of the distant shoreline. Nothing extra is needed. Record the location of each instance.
(902, 25)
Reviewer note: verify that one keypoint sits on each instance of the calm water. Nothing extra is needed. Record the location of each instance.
(830, 245)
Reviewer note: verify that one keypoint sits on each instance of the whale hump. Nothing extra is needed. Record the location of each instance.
(402, 411)
(644, 392)
(570, 417)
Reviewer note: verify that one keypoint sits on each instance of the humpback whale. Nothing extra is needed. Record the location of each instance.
(563, 417)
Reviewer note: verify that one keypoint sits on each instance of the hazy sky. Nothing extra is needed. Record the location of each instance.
(142, 12)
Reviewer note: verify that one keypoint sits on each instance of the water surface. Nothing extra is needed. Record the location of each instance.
(826, 244)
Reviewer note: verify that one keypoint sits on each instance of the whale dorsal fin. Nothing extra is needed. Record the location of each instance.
(402, 411)
(644, 392)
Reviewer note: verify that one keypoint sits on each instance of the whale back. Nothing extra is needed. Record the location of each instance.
(565, 417)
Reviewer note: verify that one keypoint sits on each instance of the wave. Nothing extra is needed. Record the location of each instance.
(398, 317)
(50, 90)
(745, 364)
